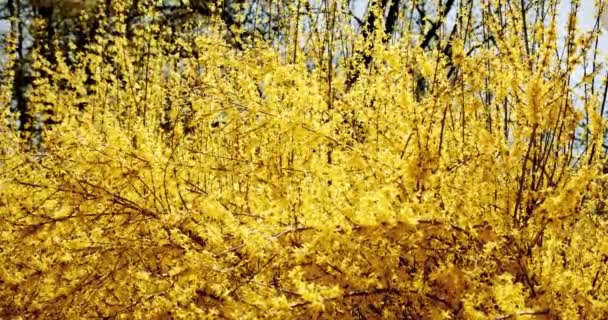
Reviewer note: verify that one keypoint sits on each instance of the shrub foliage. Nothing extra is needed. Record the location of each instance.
(292, 179)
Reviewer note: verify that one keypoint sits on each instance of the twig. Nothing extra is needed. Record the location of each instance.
(523, 313)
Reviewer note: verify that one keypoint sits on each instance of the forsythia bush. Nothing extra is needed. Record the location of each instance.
(242, 184)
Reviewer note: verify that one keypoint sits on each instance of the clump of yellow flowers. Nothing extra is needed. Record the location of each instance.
(470, 198)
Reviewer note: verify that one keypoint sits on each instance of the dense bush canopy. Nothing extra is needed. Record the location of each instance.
(248, 178)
